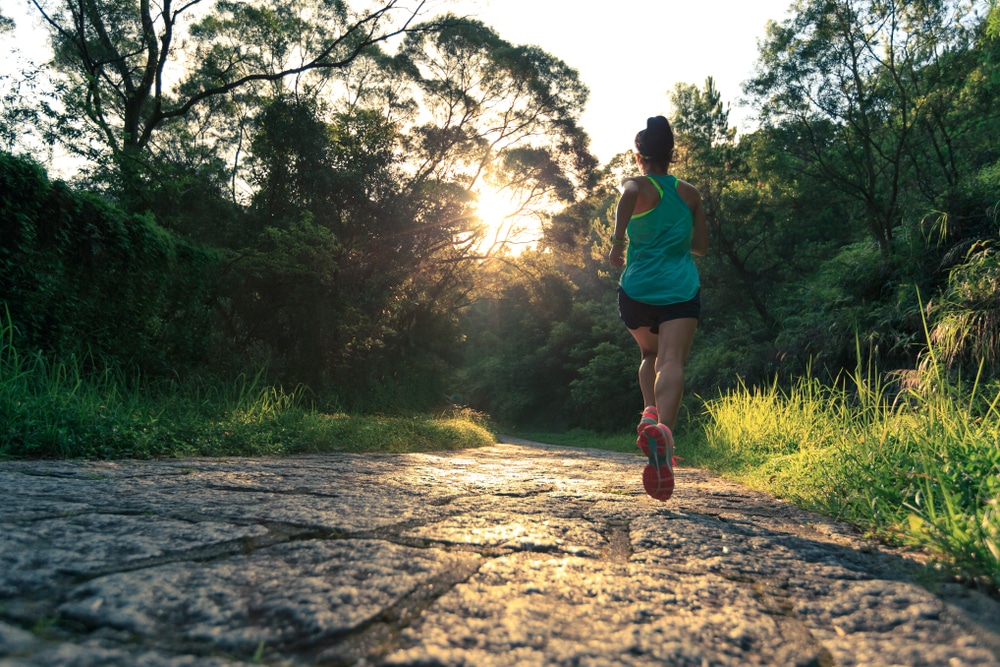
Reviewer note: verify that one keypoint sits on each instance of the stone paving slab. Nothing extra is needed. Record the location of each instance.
(516, 554)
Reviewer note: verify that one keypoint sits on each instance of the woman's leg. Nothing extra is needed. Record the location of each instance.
(648, 345)
(674, 344)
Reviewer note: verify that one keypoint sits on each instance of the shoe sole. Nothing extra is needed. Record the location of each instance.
(658, 476)
(658, 483)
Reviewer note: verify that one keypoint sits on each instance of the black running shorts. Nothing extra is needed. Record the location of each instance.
(636, 314)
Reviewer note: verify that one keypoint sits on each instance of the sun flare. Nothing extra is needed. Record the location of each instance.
(494, 208)
(505, 224)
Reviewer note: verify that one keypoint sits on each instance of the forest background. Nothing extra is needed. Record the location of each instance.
(288, 191)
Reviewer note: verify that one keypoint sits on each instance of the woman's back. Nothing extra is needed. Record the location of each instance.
(658, 267)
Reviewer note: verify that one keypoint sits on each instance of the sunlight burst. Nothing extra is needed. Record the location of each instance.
(506, 225)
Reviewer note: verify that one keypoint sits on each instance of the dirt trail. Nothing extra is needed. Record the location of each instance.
(517, 554)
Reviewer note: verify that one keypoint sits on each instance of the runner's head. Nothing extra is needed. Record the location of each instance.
(655, 144)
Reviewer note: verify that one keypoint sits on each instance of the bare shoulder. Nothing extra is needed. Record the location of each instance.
(685, 187)
(689, 194)
(631, 183)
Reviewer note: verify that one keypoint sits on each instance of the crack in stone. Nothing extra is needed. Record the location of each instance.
(380, 635)
(56, 475)
(525, 493)
(800, 648)
(297, 491)
(393, 535)
(445, 500)
(72, 514)
(619, 547)
(448, 546)
(44, 600)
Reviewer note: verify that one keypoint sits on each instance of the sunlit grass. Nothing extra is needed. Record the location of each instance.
(53, 409)
(921, 467)
(352, 433)
(623, 442)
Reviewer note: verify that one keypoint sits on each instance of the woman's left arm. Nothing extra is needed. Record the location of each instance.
(626, 207)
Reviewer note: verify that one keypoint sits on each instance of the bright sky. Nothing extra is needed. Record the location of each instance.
(630, 53)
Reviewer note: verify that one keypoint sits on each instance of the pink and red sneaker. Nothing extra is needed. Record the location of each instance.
(649, 416)
(657, 443)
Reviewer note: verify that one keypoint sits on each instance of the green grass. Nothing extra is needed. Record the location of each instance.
(921, 467)
(624, 442)
(53, 409)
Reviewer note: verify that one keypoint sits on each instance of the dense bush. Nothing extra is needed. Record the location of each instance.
(80, 277)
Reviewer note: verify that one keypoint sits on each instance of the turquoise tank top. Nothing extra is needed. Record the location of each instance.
(659, 269)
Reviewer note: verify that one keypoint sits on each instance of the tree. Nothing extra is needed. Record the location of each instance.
(345, 283)
(707, 155)
(500, 115)
(120, 58)
(850, 76)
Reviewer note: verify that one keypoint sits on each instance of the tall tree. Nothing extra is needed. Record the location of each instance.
(849, 75)
(498, 115)
(132, 67)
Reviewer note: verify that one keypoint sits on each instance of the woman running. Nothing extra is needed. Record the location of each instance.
(658, 295)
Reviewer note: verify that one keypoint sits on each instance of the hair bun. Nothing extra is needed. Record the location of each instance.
(657, 140)
(658, 125)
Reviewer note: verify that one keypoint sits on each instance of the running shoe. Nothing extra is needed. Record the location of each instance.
(649, 416)
(657, 444)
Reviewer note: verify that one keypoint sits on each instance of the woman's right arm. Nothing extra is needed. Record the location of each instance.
(699, 227)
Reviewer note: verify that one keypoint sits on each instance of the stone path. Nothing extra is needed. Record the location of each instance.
(507, 555)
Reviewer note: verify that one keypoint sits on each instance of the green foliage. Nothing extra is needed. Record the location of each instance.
(966, 317)
(603, 396)
(351, 285)
(850, 293)
(115, 102)
(543, 354)
(80, 277)
(871, 87)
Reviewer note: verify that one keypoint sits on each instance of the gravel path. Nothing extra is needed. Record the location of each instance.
(516, 554)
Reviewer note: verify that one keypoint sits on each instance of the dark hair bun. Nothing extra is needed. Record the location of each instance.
(657, 126)
(657, 140)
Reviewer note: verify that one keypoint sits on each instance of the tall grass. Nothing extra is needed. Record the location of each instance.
(53, 408)
(918, 463)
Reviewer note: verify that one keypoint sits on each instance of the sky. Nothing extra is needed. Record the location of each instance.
(630, 53)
